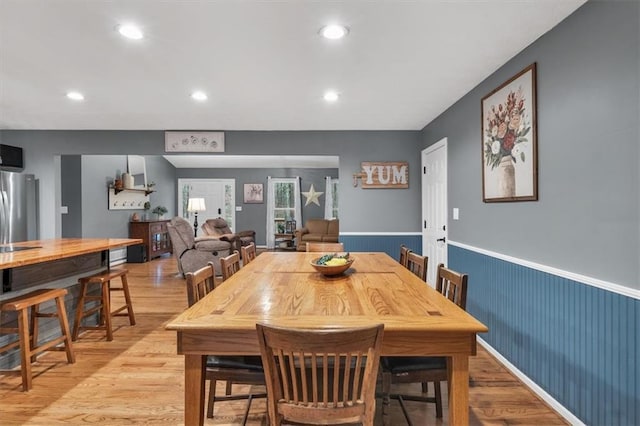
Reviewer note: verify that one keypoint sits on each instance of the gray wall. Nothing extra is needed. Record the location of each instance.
(371, 210)
(253, 216)
(98, 171)
(586, 220)
(71, 190)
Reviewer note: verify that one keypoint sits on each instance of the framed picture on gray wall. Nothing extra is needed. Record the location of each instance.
(253, 193)
(194, 141)
(509, 140)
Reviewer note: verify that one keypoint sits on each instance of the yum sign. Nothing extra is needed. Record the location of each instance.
(385, 174)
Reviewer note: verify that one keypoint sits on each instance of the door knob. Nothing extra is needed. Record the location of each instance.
(443, 239)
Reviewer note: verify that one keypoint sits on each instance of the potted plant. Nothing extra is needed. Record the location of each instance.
(159, 211)
(147, 206)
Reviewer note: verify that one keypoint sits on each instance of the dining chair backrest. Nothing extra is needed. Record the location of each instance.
(453, 285)
(200, 283)
(325, 247)
(320, 376)
(418, 265)
(248, 253)
(230, 265)
(404, 254)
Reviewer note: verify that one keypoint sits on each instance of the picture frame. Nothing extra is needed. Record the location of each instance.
(205, 142)
(137, 169)
(509, 140)
(253, 193)
(290, 226)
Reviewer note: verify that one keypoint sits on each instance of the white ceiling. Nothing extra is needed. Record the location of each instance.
(262, 63)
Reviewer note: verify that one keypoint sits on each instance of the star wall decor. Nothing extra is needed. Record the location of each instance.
(312, 196)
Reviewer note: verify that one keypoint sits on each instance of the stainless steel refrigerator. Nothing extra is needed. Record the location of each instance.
(18, 207)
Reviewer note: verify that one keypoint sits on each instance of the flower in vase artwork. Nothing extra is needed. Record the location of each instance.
(509, 140)
(507, 129)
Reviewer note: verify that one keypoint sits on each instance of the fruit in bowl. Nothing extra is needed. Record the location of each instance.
(332, 264)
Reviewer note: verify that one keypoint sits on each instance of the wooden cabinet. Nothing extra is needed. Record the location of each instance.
(154, 235)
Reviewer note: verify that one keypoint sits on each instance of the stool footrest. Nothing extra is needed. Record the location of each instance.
(93, 327)
(46, 315)
(91, 311)
(49, 344)
(10, 345)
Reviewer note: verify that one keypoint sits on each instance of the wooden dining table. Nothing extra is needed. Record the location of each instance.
(284, 289)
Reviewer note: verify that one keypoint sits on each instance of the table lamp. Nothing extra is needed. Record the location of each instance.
(195, 205)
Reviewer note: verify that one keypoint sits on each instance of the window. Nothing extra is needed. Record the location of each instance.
(283, 198)
(284, 208)
(331, 198)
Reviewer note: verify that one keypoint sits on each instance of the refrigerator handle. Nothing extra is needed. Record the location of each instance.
(3, 217)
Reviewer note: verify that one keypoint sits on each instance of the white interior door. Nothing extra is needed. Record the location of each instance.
(434, 206)
(219, 199)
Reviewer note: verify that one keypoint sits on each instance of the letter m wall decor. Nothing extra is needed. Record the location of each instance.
(393, 175)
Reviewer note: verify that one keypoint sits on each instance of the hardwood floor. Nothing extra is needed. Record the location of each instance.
(139, 379)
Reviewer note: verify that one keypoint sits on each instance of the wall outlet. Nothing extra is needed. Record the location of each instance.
(238, 208)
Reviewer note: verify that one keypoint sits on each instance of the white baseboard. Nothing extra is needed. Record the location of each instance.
(560, 409)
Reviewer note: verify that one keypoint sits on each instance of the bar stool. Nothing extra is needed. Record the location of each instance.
(28, 331)
(104, 302)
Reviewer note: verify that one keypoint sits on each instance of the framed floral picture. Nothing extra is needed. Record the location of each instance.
(253, 193)
(509, 140)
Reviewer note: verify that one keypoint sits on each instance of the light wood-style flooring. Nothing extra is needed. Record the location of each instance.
(139, 379)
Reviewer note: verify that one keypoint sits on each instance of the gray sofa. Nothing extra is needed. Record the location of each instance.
(193, 253)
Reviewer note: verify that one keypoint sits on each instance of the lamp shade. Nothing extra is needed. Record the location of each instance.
(196, 205)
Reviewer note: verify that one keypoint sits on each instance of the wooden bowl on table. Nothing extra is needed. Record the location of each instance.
(331, 270)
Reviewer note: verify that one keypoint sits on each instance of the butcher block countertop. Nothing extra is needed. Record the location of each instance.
(59, 248)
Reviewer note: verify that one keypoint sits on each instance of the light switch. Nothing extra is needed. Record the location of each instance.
(456, 213)
(238, 208)
(64, 210)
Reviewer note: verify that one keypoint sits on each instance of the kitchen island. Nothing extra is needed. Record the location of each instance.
(55, 263)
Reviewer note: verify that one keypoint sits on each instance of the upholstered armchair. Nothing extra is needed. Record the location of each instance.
(317, 231)
(219, 228)
(194, 253)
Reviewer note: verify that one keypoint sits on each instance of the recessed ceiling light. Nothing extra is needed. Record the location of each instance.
(199, 96)
(130, 31)
(331, 96)
(334, 31)
(76, 96)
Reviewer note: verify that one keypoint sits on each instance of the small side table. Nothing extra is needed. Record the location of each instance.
(284, 242)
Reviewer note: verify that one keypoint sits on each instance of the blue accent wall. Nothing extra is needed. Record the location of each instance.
(389, 244)
(578, 342)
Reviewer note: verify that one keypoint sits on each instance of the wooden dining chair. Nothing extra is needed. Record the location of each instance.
(418, 265)
(248, 253)
(325, 247)
(404, 252)
(230, 265)
(453, 285)
(320, 376)
(246, 370)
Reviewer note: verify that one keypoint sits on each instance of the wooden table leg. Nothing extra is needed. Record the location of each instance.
(194, 367)
(459, 391)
